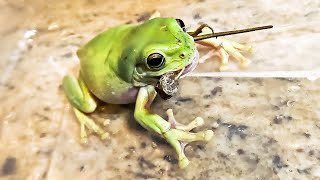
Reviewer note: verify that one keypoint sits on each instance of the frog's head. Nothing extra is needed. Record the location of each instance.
(165, 46)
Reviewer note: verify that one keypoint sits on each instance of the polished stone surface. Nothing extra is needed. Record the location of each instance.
(265, 128)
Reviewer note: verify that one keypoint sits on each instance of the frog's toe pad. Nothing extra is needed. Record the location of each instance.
(184, 162)
(104, 136)
(84, 140)
(245, 62)
(223, 67)
(208, 134)
(198, 121)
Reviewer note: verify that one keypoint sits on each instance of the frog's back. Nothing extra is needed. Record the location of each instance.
(100, 46)
(99, 62)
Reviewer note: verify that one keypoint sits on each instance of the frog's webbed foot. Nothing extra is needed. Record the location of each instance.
(82, 102)
(224, 48)
(174, 124)
(86, 122)
(178, 136)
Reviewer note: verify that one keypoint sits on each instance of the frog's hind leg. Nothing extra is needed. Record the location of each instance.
(225, 48)
(82, 102)
(86, 122)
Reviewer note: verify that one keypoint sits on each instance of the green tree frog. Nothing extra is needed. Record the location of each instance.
(123, 64)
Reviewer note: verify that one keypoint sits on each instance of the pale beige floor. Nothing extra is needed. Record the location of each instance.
(265, 128)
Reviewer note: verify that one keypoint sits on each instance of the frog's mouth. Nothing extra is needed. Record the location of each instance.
(189, 68)
(167, 85)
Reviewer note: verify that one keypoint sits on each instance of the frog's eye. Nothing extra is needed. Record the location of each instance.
(181, 24)
(155, 61)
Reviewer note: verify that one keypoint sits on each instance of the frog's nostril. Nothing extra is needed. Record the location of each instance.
(182, 55)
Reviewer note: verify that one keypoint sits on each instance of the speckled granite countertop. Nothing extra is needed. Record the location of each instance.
(265, 128)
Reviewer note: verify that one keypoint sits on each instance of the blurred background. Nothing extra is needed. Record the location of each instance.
(265, 128)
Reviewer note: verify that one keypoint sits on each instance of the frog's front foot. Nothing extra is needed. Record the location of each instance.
(178, 136)
(226, 48)
(86, 122)
(174, 124)
(175, 134)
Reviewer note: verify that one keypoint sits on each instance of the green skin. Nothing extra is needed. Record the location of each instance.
(114, 69)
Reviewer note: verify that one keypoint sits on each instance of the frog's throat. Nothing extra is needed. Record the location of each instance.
(140, 79)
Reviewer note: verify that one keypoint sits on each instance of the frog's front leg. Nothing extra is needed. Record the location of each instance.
(175, 134)
(225, 48)
(82, 102)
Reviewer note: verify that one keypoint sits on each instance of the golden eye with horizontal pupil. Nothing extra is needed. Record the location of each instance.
(181, 24)
(155, 61)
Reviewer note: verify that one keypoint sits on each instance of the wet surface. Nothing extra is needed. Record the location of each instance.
(265, 128)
